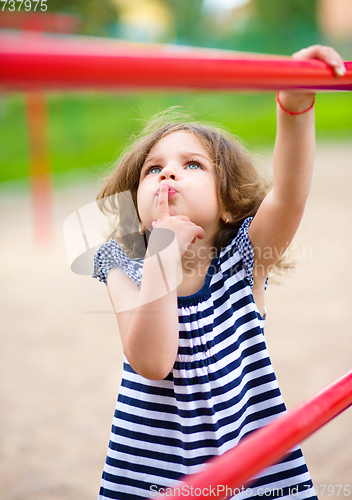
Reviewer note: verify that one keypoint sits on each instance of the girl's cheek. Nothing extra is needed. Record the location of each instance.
(145, 212)
(146, 202)
(140, 209)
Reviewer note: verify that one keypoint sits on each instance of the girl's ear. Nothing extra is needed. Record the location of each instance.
(226, 217)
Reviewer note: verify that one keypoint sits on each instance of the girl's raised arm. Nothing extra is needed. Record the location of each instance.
(280, 213)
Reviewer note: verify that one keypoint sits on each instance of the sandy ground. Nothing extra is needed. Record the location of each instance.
(61, 354)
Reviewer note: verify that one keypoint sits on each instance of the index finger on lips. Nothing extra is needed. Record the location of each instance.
(163, 201)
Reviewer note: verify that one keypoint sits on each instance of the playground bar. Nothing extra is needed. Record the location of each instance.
(59, 62)
(269, 444)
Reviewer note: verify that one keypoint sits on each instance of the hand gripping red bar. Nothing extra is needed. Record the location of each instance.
(267, 445)
(54, 62)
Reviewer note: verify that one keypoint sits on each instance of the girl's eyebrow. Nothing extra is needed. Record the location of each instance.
(197, 154)
(187, 154)
(151, 159)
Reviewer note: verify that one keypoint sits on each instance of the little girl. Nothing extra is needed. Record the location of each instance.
(197, 377)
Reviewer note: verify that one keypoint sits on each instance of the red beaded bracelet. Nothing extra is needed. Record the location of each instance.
(292, 112)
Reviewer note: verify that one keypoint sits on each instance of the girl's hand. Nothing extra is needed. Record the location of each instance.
(299, 101)
(186, 231)
(326, 54)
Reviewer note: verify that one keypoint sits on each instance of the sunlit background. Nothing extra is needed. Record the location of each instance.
(59, 346)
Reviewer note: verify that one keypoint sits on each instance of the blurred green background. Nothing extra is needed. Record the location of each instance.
(86, 131)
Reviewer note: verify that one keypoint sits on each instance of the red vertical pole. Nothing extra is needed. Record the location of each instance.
(41, 185)
(37, 115)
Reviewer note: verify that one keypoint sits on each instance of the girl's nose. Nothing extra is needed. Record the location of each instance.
(167, 173)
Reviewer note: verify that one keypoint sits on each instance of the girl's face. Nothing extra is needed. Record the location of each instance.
(181, 160)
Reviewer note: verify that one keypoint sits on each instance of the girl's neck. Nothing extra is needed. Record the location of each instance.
(195, 264)
(200, 253)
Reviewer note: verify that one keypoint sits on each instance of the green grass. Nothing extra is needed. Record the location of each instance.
(87, 131)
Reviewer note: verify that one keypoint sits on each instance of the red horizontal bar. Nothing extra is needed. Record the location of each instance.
(267, 445)
(91, 63)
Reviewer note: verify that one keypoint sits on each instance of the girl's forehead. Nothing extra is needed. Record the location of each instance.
(180, 140)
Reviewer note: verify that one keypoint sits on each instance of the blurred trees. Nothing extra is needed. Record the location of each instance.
(99, 17)
(189, 20)
(272, 26)
(277, 26)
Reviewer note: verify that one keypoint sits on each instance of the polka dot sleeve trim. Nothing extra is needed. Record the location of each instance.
(110, 255)
(245, 249)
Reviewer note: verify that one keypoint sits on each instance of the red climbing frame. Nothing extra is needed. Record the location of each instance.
(29, 62)
(267, 445)
(93, 63)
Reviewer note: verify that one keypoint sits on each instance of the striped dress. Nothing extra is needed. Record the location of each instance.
(221, 388)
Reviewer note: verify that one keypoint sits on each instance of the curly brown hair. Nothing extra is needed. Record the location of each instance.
(240, 185)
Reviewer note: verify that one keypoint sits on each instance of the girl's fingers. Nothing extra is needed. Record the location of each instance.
(177, 223)
(175, 217)
(326, 54)
(199, 233)
(337, 64)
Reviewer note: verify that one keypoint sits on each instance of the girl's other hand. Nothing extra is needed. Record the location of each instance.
(298, 102)
(185, 230)
(324, 53)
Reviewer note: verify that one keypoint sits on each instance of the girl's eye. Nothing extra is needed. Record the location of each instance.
(193, 165)
(153, 170)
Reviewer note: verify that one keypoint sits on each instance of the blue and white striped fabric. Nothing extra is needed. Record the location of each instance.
(221, 388)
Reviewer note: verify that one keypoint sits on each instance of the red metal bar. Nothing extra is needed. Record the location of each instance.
(86, 63)
(266, 446)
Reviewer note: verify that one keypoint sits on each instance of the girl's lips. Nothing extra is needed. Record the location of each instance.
(171, 192)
